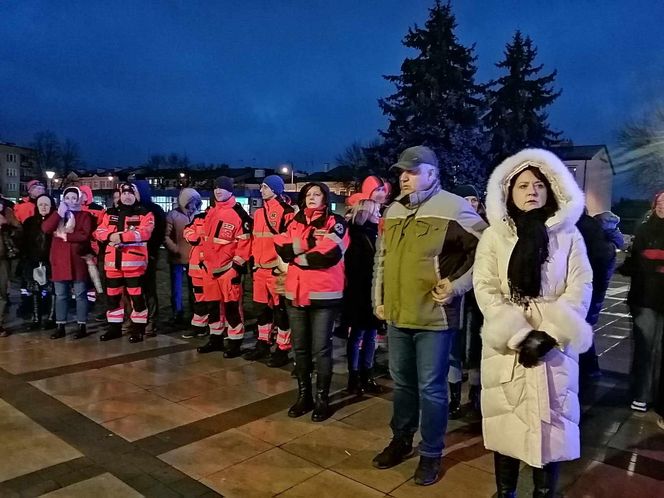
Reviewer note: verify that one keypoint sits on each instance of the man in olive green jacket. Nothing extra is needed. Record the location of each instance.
(423, 268)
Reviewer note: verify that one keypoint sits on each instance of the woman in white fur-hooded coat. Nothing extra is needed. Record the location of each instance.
(532, 414)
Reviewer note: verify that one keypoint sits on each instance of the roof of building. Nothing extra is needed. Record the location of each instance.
(13, 145)
(338, 174)
(581, 152)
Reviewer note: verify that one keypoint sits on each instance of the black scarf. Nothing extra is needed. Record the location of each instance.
(524, 272)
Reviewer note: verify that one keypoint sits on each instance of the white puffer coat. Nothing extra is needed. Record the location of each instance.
(533, 413)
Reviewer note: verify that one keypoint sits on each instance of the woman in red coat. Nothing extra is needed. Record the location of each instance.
(72, 232)
(313, 245)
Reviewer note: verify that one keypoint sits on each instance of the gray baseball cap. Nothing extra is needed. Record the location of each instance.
(412, 157)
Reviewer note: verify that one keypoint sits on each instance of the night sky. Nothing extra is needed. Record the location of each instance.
(269, 81)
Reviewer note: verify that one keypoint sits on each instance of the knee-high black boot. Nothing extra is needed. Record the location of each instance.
(455, 400)
(36, 311)
(50, 320)
(545, 480)
(305, 400)
(322, 401)
(507, 475)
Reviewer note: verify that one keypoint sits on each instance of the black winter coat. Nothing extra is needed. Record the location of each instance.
(36, 243)
(646, 266)
(359, 262)
(602, 257)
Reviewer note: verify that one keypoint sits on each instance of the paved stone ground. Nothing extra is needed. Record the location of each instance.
(82, 418)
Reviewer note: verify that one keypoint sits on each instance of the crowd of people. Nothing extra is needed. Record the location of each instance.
(505, 296)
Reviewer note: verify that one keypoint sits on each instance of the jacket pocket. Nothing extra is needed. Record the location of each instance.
(514, 383)
(421, 228)
(392, 234)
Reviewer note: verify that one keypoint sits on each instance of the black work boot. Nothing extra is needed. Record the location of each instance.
(215, 343)
(322, 409)
(354, 386)
(136, 332)
(305, 402)
(368, 383)
(59, 332)
(262, 350)
(114, 331)
(428, 471)
(279, 358)
(396, 452)
(545, 480)
(232, 349)
(81, 332)
(507, 475)
(455, 400)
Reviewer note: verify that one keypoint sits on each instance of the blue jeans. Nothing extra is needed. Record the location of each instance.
(419, 361)
(178, 273)
(360, 349)
(62, 295)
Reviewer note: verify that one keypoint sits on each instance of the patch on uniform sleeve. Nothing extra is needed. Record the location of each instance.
(247, 226)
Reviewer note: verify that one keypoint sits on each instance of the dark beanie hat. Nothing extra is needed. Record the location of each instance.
(224, 182)
(275, 183)
(466, 191)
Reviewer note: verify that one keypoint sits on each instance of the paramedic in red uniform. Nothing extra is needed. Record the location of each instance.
(314, 246)
(222, 245)
(126, 229)
(270, 220)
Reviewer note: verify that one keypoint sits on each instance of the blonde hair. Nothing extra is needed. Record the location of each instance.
(360, 212)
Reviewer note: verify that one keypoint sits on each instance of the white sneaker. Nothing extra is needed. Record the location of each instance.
(639, 406)
(660, 423)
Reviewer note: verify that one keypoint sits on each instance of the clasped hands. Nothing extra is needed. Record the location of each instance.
(536, 345)
(443, 292)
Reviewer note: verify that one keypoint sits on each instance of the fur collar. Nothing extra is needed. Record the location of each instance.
(568, 194)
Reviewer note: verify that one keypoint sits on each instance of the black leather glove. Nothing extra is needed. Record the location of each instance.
(536, 344)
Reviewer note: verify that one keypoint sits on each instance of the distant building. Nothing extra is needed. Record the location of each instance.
(593, 170)
(17, 167)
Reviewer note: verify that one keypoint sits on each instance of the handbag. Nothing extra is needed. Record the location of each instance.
(39, 275)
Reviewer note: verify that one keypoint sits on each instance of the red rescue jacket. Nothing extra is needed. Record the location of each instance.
(135, 225)
(220, 239)
(26, 208)
(314, 245)
(273, 218)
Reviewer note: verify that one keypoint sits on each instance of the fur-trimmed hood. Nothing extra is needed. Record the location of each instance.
(571, 200)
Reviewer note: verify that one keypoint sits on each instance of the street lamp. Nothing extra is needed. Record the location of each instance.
(50, 175)
(285, 169)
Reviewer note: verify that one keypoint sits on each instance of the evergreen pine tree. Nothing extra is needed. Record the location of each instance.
(437, 102)
(516, 117)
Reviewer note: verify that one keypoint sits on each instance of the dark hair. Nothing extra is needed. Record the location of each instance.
(302, 197)
(551, 205)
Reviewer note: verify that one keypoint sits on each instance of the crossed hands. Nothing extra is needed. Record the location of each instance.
(443, 292)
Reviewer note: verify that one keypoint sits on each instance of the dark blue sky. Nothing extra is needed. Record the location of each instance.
(224, 81)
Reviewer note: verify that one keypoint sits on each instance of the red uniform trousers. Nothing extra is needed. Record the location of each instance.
(217, 304)
(272, 309)
(116, 282)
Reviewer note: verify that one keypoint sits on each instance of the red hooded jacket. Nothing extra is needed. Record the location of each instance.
(271, 219)
(314, 245)
(134, 224)
(221, 239)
